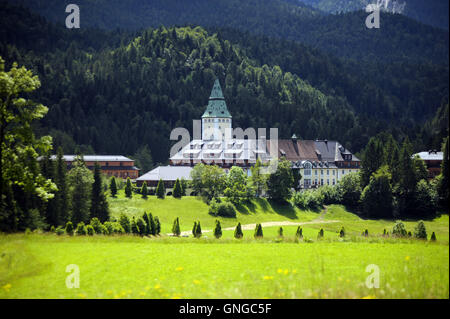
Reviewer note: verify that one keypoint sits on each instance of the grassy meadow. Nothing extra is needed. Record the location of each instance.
(34, 265)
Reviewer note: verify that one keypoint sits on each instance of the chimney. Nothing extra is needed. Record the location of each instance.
(294, 138)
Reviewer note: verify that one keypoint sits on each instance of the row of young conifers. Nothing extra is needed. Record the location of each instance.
(147, 225)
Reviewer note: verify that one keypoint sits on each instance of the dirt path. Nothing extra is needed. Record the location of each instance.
(318, 220)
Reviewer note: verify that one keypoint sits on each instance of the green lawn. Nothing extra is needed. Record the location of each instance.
(190, 209)
(34, 265)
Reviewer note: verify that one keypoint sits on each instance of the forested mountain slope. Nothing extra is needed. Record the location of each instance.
(119, 92)
(345, 35)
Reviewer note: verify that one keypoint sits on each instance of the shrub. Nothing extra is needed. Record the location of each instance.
(308, 199)
(342, 232)
(366, 233)
(280, 232)
(97, 225)
(81, 229)
(109, 228)
(69, 228)
(433, 237)
(409, 234)
(142, 226)
(90, 230)
(420, 231)
(218, 230)
(258, 231)
(226, 209)
(59, 231)
(52, 229)
(299, 232)
(320, 235)
(238, 232)
(399, 230)
(384, 232)
(150, 224)
(124, 221)
(176, 227)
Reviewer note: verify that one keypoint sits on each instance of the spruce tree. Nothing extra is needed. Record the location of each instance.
(128, 189)
(194, 229)
(198, 230)
(176, 227)
(299, 232)
(134, 226)
(342, 232)
(141, 225)
(280, 232)
(238, 232)
(157, 226)
(99, 204)
(144, 190)
(443, 181)
(113, 187)
(177, 190)
(258, 231)
(320, 235)
(218, 230)
(160, 189)
(433, 237)
(62, 195)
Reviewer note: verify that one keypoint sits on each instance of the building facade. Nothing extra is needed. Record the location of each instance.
(320, 162)
(110, 165)
(433, 159)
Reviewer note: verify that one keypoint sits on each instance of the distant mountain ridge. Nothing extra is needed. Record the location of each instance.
(431, 12)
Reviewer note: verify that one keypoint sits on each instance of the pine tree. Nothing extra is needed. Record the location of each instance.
(157, 226)
(372, 160)
(320, 235)
(176, 227)
(99, 204)
(258, 231)
(141, 225)
(177, 190)
(62, 195)
(433, 237)
(113, 187)
(443, 182)
(152, 226)
(160, 189)
(238, 232)
(280, 232)
(134, 226)
(128, 189)
(198, 230)
(194, 229)
(299, 232)
(144, 190)
(80, 182)
(218, 230)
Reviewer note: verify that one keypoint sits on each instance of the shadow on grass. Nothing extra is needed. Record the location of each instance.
(283, 208)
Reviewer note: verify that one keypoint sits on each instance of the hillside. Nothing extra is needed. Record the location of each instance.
(344, 35)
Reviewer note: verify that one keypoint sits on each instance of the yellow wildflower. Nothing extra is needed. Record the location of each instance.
(196, 282)
(179, 269)
(268, 277)
(407, 258)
